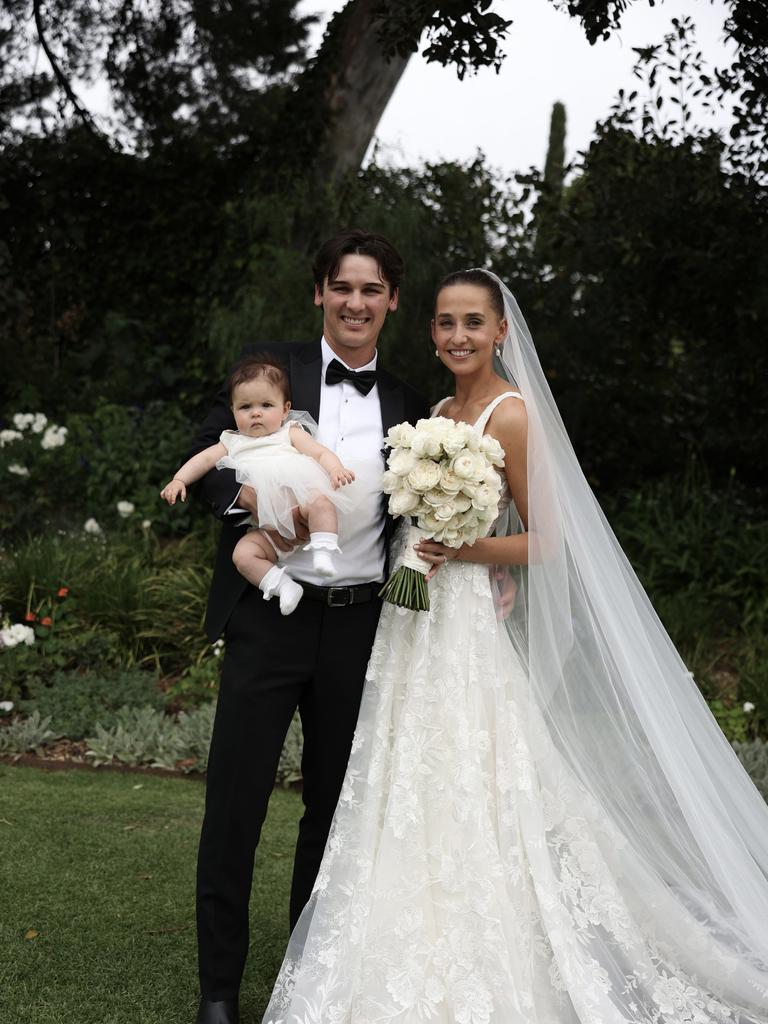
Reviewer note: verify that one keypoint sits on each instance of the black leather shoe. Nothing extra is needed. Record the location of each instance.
(218, 1011)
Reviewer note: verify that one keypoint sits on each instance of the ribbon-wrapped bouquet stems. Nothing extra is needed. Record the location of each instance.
(445, 477)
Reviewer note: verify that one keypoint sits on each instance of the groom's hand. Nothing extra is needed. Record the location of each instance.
(300, 528)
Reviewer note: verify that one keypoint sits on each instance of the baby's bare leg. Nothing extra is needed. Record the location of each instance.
(320, 514)
(254, 556)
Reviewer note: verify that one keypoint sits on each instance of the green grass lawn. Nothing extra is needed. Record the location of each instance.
(101, 866)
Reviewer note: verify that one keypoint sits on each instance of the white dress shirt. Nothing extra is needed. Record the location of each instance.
(350, 425)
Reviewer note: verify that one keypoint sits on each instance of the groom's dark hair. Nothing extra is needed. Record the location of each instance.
(358, 243)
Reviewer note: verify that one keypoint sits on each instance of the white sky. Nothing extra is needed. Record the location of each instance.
(432, 115)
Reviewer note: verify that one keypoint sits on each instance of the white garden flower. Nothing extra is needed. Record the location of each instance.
(54, 437)
(18, 633)
(218, 647)
(92, 527)
(22, 420)
(39, 422)
(125, 509)
(18, 469)
(748, 706)
(6, 706)
(146, 523)
(9, 436)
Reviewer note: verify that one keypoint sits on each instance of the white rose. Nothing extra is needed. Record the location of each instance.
(428, 522)
(401, 461)
(54, 437)
(400, 436)
(491, 448)
(462, 503)
(125, 509)
(436, 497)
(445, 513)
(17, 469)
(425, 443)
(22, 420)
(485, 497)
(92, 527)
(424, 476)
(403, 502)
(451, 538)
(469, 466)
(390, 482)
(6, 706)
(449, 482)
(748, 706)
(9, 436)
(39, 421)
(456, 439)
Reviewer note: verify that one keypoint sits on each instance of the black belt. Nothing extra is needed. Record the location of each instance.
(339, 597)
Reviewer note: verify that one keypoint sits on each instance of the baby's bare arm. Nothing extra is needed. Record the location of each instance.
(192, 470)
(331, 463)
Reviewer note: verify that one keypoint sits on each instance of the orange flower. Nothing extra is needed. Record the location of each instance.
(30, 617)
(62, 592)
(46, 621)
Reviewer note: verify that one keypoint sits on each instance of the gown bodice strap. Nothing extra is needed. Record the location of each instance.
(482, 420)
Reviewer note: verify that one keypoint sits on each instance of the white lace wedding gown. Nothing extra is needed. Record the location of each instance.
(468, 879)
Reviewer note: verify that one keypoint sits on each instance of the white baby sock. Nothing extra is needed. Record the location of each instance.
(277, 581)
(322, 546)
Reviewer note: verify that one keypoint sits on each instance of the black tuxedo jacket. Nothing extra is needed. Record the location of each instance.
(219, 488)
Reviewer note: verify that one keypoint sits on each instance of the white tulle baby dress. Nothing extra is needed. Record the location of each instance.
(281, 476)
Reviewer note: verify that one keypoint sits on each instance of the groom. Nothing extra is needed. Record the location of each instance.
(314, 659)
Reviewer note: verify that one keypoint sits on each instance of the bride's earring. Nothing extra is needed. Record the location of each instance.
(437, 354)
(497, 350)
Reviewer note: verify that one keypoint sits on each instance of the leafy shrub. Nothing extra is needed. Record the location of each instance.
(109, 467)
(24, 735)
(75, 702)
(145, 736)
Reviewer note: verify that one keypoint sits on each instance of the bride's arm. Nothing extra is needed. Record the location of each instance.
(509, 425)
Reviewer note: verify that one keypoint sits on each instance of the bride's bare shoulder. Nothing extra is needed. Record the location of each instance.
(509, 419)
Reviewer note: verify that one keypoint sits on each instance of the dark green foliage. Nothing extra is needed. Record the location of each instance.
(77, 701)
(464, 33)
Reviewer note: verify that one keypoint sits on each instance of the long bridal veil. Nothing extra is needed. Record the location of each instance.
(629, 720)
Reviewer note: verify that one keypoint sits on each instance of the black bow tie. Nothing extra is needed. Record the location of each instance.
(363, 380)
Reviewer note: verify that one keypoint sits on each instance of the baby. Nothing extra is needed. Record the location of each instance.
(285, 466)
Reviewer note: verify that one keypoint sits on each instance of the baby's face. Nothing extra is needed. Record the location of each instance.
(259, 407)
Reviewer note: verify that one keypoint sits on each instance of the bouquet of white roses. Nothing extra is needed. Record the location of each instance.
(444, 475)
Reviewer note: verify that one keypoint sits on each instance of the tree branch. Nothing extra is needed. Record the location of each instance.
(61, 78)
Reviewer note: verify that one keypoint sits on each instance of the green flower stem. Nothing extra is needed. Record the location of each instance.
(407, 588)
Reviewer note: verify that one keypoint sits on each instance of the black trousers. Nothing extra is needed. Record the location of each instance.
(314, 659)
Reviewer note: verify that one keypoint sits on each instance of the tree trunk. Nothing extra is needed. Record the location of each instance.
(359, 85)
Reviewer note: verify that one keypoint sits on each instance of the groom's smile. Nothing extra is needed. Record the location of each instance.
(355, 304)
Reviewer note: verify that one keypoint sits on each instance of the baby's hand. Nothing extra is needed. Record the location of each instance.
(175, 489)
(342, 476)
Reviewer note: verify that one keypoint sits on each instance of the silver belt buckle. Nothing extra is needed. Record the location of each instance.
(346, 597)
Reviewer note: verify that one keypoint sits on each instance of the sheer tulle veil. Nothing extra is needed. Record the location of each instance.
(624, 711)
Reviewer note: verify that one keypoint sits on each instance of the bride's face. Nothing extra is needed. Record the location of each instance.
(466, 328)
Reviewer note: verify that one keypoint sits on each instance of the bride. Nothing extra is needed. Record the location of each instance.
(541, 823)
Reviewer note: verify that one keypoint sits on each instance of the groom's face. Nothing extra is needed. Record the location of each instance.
(355, 304)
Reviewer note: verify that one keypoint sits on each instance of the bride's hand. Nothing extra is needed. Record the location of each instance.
(434, 553)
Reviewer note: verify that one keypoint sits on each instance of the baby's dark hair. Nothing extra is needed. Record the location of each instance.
(263, 365)
(477, 277)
